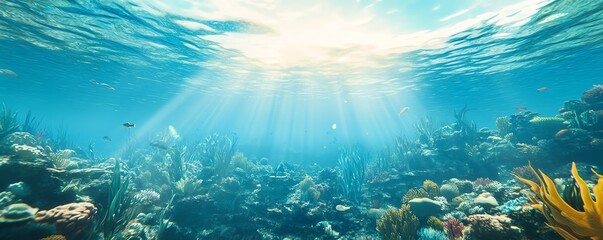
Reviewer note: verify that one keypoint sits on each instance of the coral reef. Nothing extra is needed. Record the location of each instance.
(70, 219)
(398, 224)
(454, 229)
(205, 188)
(485, 226)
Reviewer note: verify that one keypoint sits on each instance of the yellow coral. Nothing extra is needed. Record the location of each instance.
(414, 193)
(398, 224)
(431, 188)
(565, 220)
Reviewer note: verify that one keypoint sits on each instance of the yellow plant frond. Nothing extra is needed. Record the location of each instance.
(570, 223)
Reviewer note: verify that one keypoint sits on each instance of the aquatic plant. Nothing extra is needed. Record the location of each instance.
(435, 223)
(570, 223)
(571, 195)
(405, 153)
(60, 139)
(61, 158)
(187, 185)
(8, 121)
(468, 130)
(426, 129)
(114, 215)
(351, 173)
(31, 124)
(240, 161)
(431, 234)
(164, 220)
(503, 125)
(398, 224)
(217, 151)
(176, 164)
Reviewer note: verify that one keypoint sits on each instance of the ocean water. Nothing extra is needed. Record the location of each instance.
(292, 82)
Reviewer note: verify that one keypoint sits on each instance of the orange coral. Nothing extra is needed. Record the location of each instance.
(69, 219)
(565, 220)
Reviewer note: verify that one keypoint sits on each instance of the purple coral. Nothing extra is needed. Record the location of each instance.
(454, 228)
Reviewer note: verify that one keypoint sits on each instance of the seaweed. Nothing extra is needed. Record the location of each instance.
(31, 124)
(352, 169)
(176, 166)
(115, 214)
(8, 121)
(467, 129)
(217, 151)
(164, 221)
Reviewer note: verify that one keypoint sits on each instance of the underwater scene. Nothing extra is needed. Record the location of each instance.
(285, 119)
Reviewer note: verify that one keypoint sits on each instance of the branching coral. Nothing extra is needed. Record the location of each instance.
(398, 224)
(565, 220)
(414, 193)
(431, 188)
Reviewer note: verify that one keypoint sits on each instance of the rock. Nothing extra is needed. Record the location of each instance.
(18, 212)
(425, 207)
(20, 189)
(486, 200)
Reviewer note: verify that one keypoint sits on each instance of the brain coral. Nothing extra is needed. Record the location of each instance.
(69, 219)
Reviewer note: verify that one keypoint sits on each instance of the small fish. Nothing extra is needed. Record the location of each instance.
(334, 126)
(403, 110)
(160, 145)
(129, 125)
(543, 89)
(8, 72)
(107, 138)
(563, 133)
(521, 108)
(173, 132)
(107, 86)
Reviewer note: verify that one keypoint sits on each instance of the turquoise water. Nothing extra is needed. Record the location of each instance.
(294, 82)
(166, 74)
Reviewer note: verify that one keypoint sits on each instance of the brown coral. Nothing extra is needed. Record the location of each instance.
(593, 95)
(69, 219)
